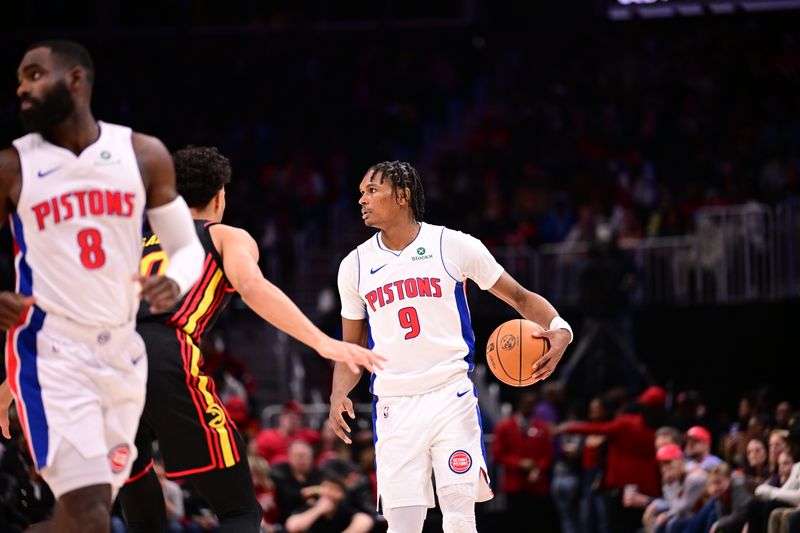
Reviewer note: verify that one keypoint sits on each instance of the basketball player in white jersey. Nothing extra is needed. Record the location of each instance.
(403, 293)
(75, 191)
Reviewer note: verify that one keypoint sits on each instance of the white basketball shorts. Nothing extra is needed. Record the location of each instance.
(78, 388)
(438, 431)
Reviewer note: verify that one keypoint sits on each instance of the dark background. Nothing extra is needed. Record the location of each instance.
(303, 96)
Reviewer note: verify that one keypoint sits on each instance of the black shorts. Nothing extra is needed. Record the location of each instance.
(182, 410)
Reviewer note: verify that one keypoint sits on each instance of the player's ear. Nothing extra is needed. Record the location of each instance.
(76, 77)
(404, 198)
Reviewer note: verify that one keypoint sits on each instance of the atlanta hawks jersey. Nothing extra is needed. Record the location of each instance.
(78, 225)
(197, 312)
(416, 306)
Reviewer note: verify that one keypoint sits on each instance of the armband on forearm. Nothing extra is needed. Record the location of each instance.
(173, 224)
(560, 323)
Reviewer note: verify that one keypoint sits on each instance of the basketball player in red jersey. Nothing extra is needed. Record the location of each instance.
(75, 191)
(197, 439)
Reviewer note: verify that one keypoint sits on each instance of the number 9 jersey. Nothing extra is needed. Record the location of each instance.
(416, 306)
(77, 227)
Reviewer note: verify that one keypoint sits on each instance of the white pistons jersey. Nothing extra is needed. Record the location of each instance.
(78, 225)
(416, 305)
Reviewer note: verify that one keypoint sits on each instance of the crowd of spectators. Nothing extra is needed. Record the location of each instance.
(630, 464)
(617, 462)
(635, 126)
(520, 138)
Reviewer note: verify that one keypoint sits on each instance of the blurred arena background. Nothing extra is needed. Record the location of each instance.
(636, 162)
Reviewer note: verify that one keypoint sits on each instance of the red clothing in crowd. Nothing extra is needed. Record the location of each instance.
(273, 445)
(592, 457)
(266, 499)
(512, 444)
(631, 456)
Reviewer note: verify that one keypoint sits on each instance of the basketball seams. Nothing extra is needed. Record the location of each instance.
(497, 351)
(519, 341)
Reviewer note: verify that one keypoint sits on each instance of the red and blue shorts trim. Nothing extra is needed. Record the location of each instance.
(23, 378)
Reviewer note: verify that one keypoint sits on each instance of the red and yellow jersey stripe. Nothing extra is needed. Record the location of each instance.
(201, 306)
(218, 426)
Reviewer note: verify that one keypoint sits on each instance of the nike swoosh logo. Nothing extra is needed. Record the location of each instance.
(43, 174)
(136, 361)
(373, 270)
(460, 394)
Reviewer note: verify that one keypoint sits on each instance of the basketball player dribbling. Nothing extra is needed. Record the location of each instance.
(403, 293)
(197, 440)
(76, 189)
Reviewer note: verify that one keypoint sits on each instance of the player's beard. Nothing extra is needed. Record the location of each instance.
(51, 110)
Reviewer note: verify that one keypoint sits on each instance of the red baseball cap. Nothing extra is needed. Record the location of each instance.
(668, 452)
(653, 396)
(699, 433)
(293, 406)
(237, 408)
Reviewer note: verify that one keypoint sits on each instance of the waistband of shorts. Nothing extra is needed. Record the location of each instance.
(457, 378)
(94, 335)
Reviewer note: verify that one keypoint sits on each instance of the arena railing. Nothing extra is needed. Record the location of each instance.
(741, 253)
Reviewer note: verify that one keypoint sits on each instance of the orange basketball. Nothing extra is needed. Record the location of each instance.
(511, 351)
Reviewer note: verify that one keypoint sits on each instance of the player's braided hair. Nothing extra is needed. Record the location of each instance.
(403, 175)
(200, 172)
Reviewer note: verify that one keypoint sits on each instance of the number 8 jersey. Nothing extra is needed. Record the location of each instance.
(78, 227)
(416, 306)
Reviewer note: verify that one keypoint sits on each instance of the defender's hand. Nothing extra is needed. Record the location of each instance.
(351, 354)
(558, 339)
(339, 426)
(161, 292)
(12, 306)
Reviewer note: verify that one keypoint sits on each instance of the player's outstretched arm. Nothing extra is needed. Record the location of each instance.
(171, 220)
(240, 261)
(354, 331)
(536, 308)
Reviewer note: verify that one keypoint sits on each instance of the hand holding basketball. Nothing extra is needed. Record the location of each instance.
(558, 340)
(521, 352)
(513, 349)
